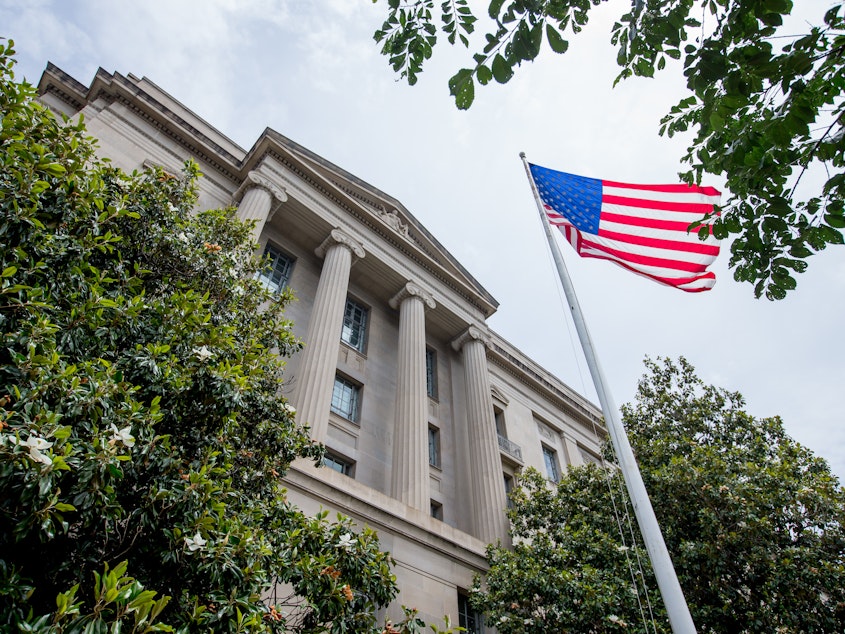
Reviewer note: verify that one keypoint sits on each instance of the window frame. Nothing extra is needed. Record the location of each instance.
(434, 455)
(276, 254)
(466, 612)
(353, 414)
(499, 419)
(347, 467)
(351, 328)
(431, 372)
(552, 464)
(436, 510)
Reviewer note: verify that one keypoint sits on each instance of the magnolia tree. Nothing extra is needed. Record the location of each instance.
(143, 424)
(765, 100)
(754, 523)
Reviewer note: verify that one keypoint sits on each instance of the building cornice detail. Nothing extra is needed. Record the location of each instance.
(378, 228)
(527, 376)
(392, 220)
(412, 289)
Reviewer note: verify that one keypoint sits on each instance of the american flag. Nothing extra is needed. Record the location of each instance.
(644, 228)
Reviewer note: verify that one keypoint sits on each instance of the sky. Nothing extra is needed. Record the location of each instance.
(311, 70)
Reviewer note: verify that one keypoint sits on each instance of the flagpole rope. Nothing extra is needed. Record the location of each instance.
(619, 525)
(575, 354)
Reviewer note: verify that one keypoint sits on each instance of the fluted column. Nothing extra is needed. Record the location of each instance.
(259, 198)
(410, 428)
(315, 378)
(486, 484)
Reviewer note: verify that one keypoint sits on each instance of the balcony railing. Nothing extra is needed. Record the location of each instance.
(510, 448)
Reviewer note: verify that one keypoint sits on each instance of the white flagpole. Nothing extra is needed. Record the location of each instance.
(667, 581)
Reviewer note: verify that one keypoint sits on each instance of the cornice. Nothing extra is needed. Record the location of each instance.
(503, 359)
(391, 237)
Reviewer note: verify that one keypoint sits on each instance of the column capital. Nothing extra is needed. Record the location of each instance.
(412, 289)
(338, 236)
(473, 333)
(256, 179)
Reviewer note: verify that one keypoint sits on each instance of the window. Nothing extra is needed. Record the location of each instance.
(499, 416)
(431, 372)
(552, 469)
(509, 489)
(433, 446)
(437, 510)
(354, 331)
(338, 464)
(346, 397)
(468, 618)
(276, 274)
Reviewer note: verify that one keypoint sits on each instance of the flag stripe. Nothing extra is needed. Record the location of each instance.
(666, 205)
(657, 273)
(633, 257)
(660, 243)
(679, 188)
(643, 228)
(681, 226)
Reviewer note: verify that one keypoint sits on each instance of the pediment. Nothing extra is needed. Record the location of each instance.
(389, 217)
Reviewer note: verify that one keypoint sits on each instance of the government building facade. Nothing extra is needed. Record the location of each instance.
(427, 415)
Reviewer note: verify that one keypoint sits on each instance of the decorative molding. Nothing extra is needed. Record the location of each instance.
(411, 289)
(496, 393)
(337, 236)
(391, 219)
(526, 375)
(473, 333)
(544, 430)
(367, 220)
(256, 179)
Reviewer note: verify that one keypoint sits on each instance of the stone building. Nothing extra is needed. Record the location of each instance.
(428, 415)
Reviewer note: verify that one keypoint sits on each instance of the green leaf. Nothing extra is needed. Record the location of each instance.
(461, 85)
(484, 75)
(556, 41)
(502, 70)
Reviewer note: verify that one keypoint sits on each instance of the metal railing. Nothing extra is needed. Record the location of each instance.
(510, 448)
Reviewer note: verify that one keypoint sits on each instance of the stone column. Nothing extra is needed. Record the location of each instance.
(259, 198)
(410, 427)
(486, 485)
(315, 379)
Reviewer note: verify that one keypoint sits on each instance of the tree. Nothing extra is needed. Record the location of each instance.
(143, 424)
(754, 522)
(765, 103)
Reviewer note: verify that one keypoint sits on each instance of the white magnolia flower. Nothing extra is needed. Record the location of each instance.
(346, 541)
(615, 619)
(290, 408)
(36, 445)
(203, 353)
(123, 436)
(196, 542)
